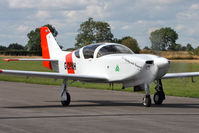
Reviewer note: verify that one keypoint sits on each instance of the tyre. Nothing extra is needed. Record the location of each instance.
(158, 98)
(66, 102)
(147, 101)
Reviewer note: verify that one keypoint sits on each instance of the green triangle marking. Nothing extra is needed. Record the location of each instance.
(117, 68)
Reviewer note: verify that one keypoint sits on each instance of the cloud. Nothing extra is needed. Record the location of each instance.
(21, 4)
(41, 14)
(126, 27)
(95, 11)
(164, 1)
(151, 29)
(50, 4)
(179, 27)
(137, 18)
(194, 6)
(22, 28)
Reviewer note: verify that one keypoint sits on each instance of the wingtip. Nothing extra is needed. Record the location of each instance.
(1, 71)
(6, 59)
(11, 60)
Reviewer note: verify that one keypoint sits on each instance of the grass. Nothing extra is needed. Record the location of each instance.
(174, 87)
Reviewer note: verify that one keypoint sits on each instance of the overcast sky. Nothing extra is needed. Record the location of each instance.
(136, 18)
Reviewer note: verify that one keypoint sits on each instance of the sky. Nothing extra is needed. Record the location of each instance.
(135, 18)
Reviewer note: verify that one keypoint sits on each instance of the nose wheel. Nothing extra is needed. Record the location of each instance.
(147, 101)
(147, 97)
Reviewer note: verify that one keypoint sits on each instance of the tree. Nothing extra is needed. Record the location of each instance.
(196, 51)
(2, 48)
(178, 47)
(15, 46)
(34, 42)
(131, 43)
(146, 48)
(92, 31)
(183, 48)
(116, 40)
(189, 47)
(163, 38)
(175, 47)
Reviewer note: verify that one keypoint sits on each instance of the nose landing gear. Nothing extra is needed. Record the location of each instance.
(159, 96)
(147, 101)
(147, 98)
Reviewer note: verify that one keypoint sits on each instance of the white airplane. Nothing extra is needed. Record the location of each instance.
(102, 63)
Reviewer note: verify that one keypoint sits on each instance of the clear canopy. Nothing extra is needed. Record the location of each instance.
(88, 51)
(113, 49)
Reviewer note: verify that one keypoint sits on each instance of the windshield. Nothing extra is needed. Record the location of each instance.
(89, 50)
(113, 49)
(77, 53)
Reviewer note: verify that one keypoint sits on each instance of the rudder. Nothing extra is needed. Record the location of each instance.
(50, 48)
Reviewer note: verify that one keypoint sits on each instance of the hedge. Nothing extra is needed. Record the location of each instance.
(20, 53)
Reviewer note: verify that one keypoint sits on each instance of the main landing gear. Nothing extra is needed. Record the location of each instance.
(159, 96)
(65, 96)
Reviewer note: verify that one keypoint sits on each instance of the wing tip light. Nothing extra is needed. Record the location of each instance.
(11, 60)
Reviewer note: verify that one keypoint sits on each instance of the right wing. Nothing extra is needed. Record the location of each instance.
(56, 75)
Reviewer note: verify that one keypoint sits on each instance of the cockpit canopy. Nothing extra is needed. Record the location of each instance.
(102, 49)
(88, 51)
(113, 49)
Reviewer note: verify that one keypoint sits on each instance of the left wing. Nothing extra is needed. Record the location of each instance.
(56, 75)
(180, 75)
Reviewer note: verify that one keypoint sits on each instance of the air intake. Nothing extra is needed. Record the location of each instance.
(149, 62)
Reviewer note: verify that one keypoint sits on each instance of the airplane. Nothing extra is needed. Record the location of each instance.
(101, 63)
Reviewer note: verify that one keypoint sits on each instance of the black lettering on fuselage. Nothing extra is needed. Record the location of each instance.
(70, 66)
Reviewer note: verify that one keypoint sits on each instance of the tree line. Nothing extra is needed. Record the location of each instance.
(33, 46)
(91, 31)
(17, 49)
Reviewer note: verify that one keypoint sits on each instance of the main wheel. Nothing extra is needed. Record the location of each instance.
(147, 101)
(67, 101)
(158, 98)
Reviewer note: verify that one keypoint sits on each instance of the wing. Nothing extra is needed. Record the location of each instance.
(180, 75)
(56, 75)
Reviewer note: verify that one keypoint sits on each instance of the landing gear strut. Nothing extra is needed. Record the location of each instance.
(147, 98)
(159, 96)
(65, 96)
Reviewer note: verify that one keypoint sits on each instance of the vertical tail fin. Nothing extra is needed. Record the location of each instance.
(50, 48)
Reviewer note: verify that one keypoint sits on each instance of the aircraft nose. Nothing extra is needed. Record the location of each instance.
(162, 63)
(163, 66)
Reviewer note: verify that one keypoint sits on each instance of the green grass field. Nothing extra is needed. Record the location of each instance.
(175, 87)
